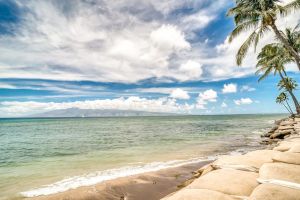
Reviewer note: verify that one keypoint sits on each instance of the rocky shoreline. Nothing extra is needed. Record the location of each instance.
(270, 174)
(282, 129)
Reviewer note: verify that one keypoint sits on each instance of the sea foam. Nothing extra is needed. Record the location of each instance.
(100, 176)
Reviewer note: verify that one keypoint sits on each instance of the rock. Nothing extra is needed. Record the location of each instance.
(287, 157)
(205, 169)
(284, 146)
(268, 134)
(287, 123)
(199, 194)
(285, 127)
(281, 133)
(297, 119)
(252, 159)
(277, 122)
(227, 181)
(267, 141)
(274, 192)
(274, 128)
(280, 171)
(295, 148)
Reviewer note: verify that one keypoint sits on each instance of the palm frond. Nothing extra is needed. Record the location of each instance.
(248, 25)
(245, 47)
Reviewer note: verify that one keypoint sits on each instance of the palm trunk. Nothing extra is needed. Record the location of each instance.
(297, 106)
(292, 51)
(287, 108)
(291, 111)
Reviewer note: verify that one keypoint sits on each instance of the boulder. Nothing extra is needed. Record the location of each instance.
(294, 139)
(280, 171)
(205, 169)
(287, 123)
(274, 192)
(277, 122)
(199, 194)
(295, 148)
(284, 146)
(297, 119)
(227, 181)
(262, 155)
(287, 157)
(268, 134)
(285, 127)
(281, 133)
(252, 159)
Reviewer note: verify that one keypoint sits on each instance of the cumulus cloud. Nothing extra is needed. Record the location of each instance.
(179, 94)
(229, 88)
(122, 41)
(243, 101)
(16, 108)
(206, 96)
(247, 88)
(169, 38)
(189, 70)
(109, 41)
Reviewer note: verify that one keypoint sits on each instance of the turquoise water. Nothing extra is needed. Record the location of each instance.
(44, 156)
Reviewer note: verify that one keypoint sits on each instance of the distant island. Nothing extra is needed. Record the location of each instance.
(77, 112)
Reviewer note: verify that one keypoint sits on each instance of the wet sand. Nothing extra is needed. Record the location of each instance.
(147, 186)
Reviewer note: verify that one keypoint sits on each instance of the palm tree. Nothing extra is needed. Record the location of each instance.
(283, 98)
(293, 37)
(289, 85)
(272, 58)
(259, 16)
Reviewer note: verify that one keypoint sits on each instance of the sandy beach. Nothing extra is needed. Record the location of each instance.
(146, 186)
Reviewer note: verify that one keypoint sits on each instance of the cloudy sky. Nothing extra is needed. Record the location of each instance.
(149, 55)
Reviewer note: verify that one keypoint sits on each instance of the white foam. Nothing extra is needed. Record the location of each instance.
(100, 176)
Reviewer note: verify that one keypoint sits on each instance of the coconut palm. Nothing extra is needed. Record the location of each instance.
(259, 16)
(287, 84)
(282, 99)
(272, 59)
(293, 37)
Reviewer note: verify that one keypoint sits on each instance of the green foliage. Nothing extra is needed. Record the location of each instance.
(272, 58)
(256, 15)
(282, 97)
(287, 84)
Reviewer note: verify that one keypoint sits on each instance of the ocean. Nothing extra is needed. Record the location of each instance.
(46, 156)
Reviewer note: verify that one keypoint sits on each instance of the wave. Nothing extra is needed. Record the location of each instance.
(100, 176)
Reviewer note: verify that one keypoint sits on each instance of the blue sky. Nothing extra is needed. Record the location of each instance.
(151, 55)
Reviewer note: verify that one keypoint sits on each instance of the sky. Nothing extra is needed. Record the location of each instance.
(150, 55)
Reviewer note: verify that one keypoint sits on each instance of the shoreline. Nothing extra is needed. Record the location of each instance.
(146, 186)
(270, 174)
(205, 180)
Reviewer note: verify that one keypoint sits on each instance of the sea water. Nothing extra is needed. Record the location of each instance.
(46, 156)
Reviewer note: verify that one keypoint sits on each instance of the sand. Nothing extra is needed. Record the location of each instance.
(147, 186)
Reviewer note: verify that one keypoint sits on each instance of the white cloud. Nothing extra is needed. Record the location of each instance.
(179, 94)
(190, 70)
(109, 41)
(169, 38)
(206, 96)
(229, 88)
(243, 101)
(15, 108)
(122, 41)
(247, 88)
(224, 105)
